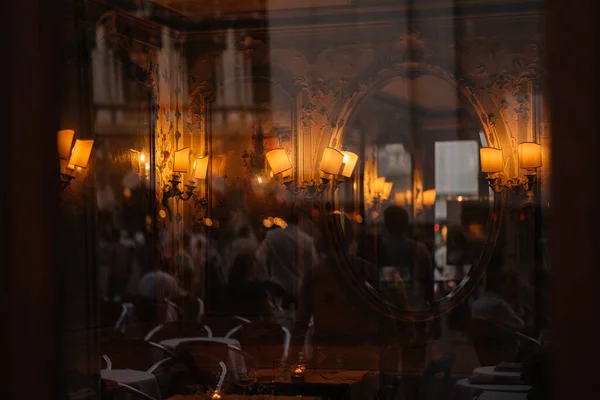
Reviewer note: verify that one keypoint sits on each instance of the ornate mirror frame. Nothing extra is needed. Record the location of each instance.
(484, 105)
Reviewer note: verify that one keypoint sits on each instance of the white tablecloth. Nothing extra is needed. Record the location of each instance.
(466, 391)
(491, 371)
(173, 343)
(236, 360)
(141, 380)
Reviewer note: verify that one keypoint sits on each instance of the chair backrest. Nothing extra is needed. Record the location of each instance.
(442, 366)
(125, 353)
(224, 325)
(177, 329)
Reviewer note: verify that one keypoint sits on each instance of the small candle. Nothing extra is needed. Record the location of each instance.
(215, 395)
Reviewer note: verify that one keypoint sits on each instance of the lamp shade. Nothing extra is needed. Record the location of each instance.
(530, 155)
(387, 190)
(429, 197)
(332, 161)
(181, 160)
(81, 153)
(65, 140)
(400, 198)
(491, 159)
(278, 161)
(378, 186)
(201, 167)
(349, 163)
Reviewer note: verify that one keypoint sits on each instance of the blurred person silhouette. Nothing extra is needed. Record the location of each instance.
(346, 331)
(285, 255)
(118, 257)
(401, 257)
(244, 294)
(497, 328)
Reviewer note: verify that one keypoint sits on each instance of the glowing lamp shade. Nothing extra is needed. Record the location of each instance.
(332, 161)
(387, 190)
(349, 162)
(530, 155)
(491, 159)
(81, 153)
(400, 198)
(378, 186)
(181, 160)
(201, 167)
(278, 161)
(65, 139)
(429, 197)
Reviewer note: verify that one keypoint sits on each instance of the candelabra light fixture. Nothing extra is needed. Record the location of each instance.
(73, 157)
(140, 163)
(492, 163)
(334, 168)
(181, 164)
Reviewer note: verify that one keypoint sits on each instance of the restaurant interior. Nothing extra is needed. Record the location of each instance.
(282, 199)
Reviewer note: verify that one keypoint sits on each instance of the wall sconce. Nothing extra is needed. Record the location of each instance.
(181, 163)
(72, 159)
(335, 165)
(381, 191)
(492, 163)
(139, 163)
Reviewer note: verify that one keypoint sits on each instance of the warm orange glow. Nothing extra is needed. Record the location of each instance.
(65, 140)
(181, 160)
(378, 186)
(387, 190)
(201, 167)
(350, 160)
(429, 197)
(332, 161)
(278, 161)
(81, 153)
(491, 160)
(530, 155)
(400, 198)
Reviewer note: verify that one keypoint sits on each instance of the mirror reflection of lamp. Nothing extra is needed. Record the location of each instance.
(72, 159)
(429, 197)
(139, 163)
(280, 163)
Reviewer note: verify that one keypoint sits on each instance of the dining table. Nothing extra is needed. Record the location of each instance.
(140, 380)
(327, 383)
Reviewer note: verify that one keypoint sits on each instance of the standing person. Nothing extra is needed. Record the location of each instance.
(118, 257)
(399, 256)
(285, 255)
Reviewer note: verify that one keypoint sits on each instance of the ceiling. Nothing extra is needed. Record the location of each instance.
(198, 8)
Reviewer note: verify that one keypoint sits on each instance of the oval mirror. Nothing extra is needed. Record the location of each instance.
(418, 207)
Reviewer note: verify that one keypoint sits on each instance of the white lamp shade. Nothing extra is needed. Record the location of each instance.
(378, 186)
(332, 161)
(65, 140)
(201, 167)
(530, 155)
(429, 197)
(81, 153)
(491, 160)
(387, 190)
(181, 160)
(278, 161)
(349, 163)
